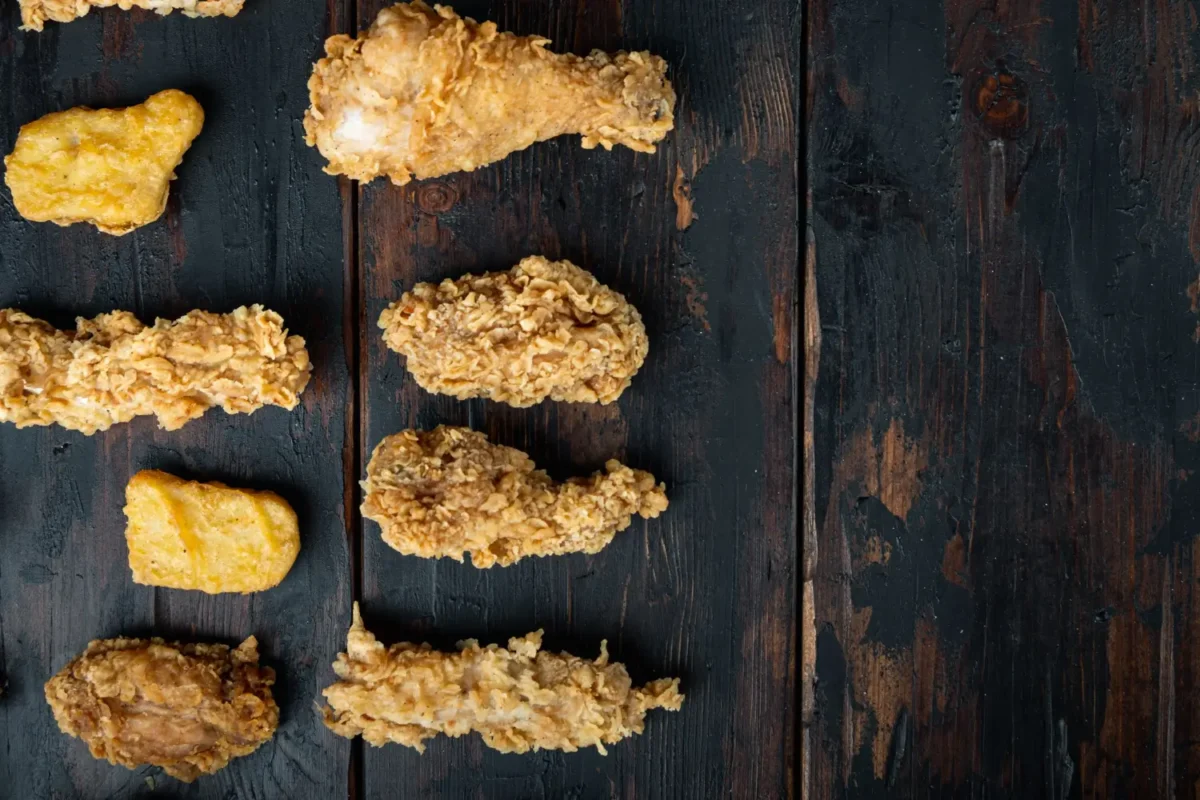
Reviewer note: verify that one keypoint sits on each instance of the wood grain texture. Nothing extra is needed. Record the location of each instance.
(1004, 208)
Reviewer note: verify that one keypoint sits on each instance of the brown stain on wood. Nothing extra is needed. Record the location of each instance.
(681, 191)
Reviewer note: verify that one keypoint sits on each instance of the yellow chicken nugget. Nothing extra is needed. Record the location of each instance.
(109, 167)
(207, 536)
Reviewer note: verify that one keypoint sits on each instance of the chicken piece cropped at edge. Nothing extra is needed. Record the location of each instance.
(425, 92)
(518, 699)
(110, 167)
(188, 708)
(544, 329)
(34, 13)
(114, 368)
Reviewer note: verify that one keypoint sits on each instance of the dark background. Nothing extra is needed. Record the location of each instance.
(707, 592)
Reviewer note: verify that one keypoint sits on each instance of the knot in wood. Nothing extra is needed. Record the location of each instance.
(436, 198)
(1002, 104)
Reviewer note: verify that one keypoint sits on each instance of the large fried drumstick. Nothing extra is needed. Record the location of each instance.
(425, 92)
(448, 492)
(35, 12)
(519, 699)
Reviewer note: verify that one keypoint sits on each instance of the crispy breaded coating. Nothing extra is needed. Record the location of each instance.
(114, 368)
(207, 536)
(425, 92)
(544, 329)
(518, 699)
(35, 12)
(188, 708)
(449, 492)
(110, 167)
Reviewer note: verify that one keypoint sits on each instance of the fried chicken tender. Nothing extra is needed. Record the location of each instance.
(35, 12)
(518, 699)
(448, 492)
(207, 536)
(542, 329)
(188, 708)
(425, 92)
(114, 368)
(110, 167)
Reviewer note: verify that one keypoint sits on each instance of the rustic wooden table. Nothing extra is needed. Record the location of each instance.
(703, 237)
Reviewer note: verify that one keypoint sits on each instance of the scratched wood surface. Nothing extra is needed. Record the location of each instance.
(1004, 214)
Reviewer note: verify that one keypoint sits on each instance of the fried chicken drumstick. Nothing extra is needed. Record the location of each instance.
(449, 492)
(188, 708)
(544, 329)
(35, 12)
(114, 368)
(519, 699)
(425, 92)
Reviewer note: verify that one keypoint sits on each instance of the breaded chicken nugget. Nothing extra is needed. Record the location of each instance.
(426, 92)
(207, 536)
(35, 12)
(114, 368)
(188, 708)
(518, 699)
(544, 329)
(449, 492)
(109, 167)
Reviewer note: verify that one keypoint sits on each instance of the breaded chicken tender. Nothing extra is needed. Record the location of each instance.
(188, 708)
(425, 92)
(110, 167)
(544, 329)
(449, 492)
(207, 536)
(114, 368)
(35, 12)
(518, 699)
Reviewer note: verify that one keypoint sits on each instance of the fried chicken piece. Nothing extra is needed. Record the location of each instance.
(113, 368)
(110, 167)
(207, 536)
(518, 699)
(425, 92)
(542, 329)
(447, 492)
(188, 708)
(35, 12)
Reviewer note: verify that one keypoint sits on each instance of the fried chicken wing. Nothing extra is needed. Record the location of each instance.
(425, 92)
(544, 329)
(518, 699)
(35, 12)
(188, 708)
(449, 492)
(114, 368)
(207, 536)
(111, 167)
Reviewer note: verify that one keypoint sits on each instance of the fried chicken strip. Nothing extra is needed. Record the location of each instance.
(518, 699)
(425, 92)
(35, 12)
(114, 368)
(544, 329)
(188, 708)
(449, 492)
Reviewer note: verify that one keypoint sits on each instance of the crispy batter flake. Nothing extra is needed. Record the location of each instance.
(35, 12)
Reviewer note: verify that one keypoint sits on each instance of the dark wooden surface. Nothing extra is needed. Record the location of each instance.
(1005, 224)
(702, 237)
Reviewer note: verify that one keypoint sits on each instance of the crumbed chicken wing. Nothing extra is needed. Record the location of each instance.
(544, 329)
(449, 492)
(425, 92)
(188, 708)
(114, 368)
(518, 699)
(111, 167)
(35, 12)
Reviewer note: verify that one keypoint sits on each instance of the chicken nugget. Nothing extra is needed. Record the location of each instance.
(207, 536)
(35, 12)
(518, 699)
(108, 167)
(425, 92)
(188, 708)
(449, 492)
(114, 368)
(543, 329)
